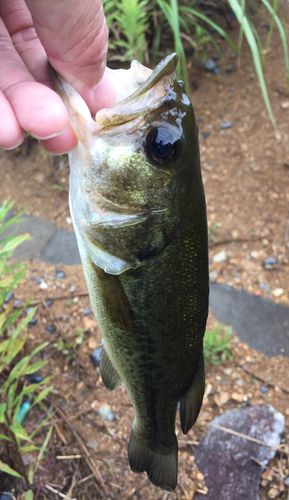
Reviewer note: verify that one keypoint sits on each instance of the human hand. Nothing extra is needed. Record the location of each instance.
(72, 35)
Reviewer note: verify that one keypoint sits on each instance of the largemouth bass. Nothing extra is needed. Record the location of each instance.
(139, 214)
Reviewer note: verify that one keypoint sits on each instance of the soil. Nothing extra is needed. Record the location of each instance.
(246, 175)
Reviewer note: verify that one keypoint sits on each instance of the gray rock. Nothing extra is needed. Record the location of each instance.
(225, 459)
(261, 323)
(106, 413)
(41, 232)
(210, 65)
(62, 249)
(226, 125)
(213, 276)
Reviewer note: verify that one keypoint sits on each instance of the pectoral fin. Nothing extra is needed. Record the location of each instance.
(109, 375)
(191, 400)
(114, 300)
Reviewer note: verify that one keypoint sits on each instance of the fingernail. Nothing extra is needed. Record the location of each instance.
(48, 136)
(13, 147)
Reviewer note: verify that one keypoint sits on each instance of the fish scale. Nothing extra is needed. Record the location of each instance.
(141, 228)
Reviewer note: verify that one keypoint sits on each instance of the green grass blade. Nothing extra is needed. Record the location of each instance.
(236, 8)
(212, 24)
(283, 38)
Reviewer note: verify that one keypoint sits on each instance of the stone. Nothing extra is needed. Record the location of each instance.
(106, 413)
(41, 231)
(35, 378)
(50, 328)
(86, 312)
(226, 125)
(278, 292)
(225, 459)
(213, 276)
(92, 445)
(220, 256)
(273, 492)
(62, 249)
(210, 65)
(96, 356)
(261, 323)
(9, 296)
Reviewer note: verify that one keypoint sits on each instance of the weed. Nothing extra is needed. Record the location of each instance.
(217, 345)
(67, 347)
(137, 25)
(17, 397)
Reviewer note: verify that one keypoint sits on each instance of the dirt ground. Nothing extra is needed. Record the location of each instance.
(246, 175)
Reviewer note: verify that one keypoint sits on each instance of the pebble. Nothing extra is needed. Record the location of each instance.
(50, 328)
(199, 120)
(33, 320)
(35, 378)
(270, 261)
(220, 256)
(278, 292)
(32, 278)
(264, 287)
(213, 276)
(86, 312)
(9, 296)
(226, 125)
(96, 356)
(59, 274)
(210, 65)
(286, 481)
(39, 280)
(285, 105)
(206, 135)
(49, 303)
(106, 413)
(92, 445)
(17, 304)
(237, 397)
(264, 388)
(43, 285)
(273, 493)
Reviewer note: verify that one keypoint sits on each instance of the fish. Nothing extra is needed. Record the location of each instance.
(138, 208)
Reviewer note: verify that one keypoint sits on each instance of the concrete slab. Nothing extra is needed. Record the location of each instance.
(41, 232)
(261, 323)
(62, 249)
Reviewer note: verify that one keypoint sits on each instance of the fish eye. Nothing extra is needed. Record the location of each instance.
(161, 145)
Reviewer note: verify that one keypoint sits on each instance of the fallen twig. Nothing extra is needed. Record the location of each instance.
(71, 295)
(43, 476)
(249, 438)
(239, 434)
(138, 489)
(93, 467)
(58, 492)
(267, 468)
(234, 240)
(267, 382)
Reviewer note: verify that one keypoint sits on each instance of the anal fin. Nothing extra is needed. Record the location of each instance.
(191, 400)
(109, 375)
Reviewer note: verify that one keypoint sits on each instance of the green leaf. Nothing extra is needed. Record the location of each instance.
(19, 431)
(6, 438)
(8, 470)
(42, 395)
(28, 447)
(2, 413)
(28, 495)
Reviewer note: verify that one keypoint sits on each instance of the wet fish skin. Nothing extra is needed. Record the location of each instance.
(151, 298)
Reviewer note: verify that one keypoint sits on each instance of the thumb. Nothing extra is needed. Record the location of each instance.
(75, 37)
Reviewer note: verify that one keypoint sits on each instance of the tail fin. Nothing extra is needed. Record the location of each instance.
(160, 466)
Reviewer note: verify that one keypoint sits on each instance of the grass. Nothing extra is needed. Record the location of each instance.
(217, 345)
(138, 27)
(17, 396)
